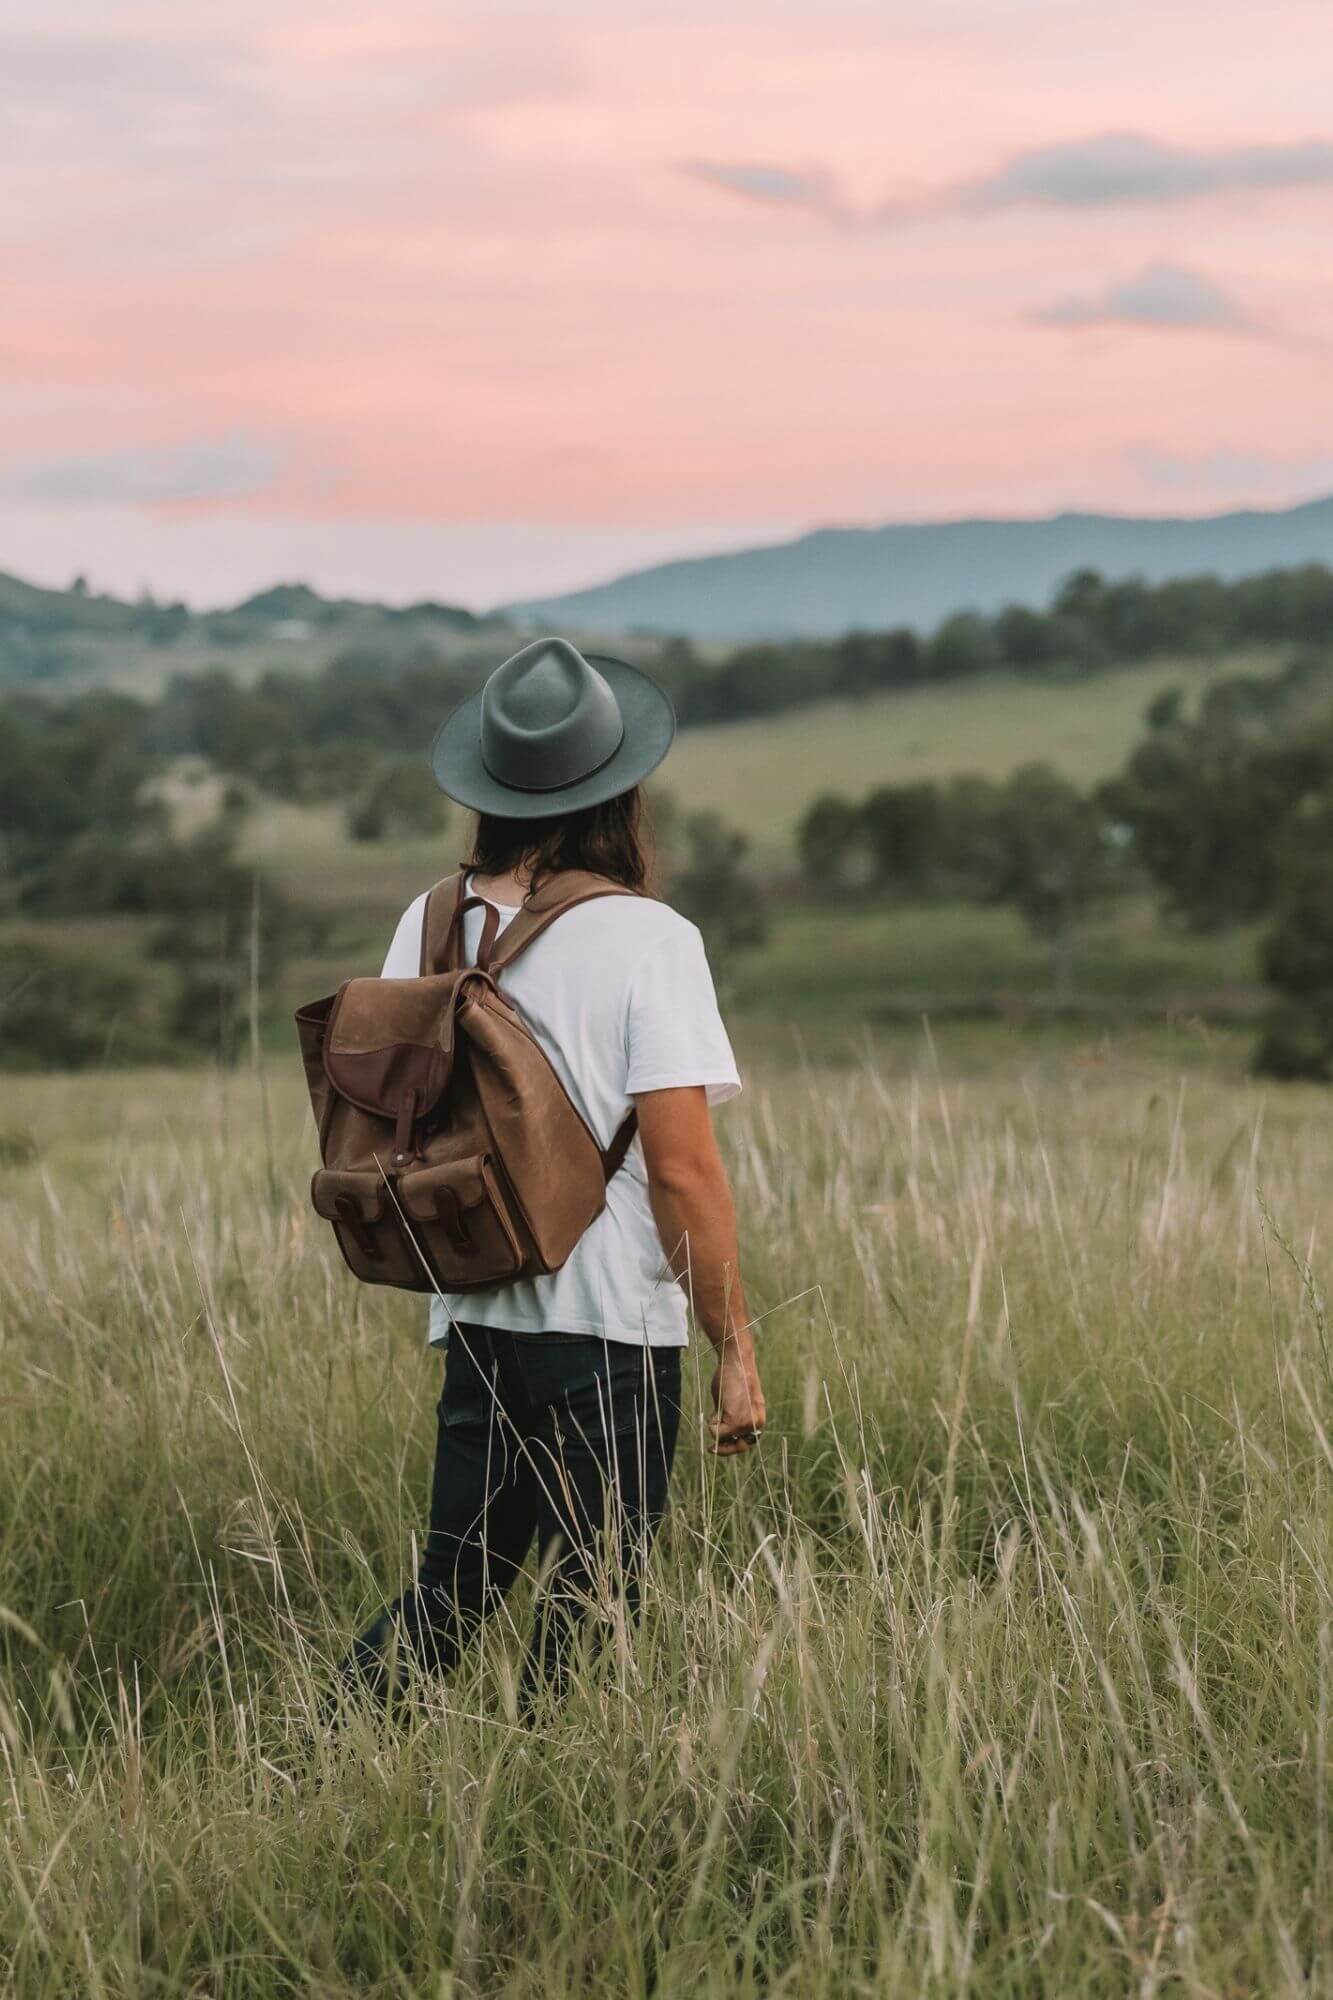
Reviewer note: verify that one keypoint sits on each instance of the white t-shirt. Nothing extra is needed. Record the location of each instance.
(619, 995)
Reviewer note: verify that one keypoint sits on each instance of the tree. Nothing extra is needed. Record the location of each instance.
(67, 774)
(964, 644)
(713, 888)
(70, 1009)
(831, 841)
(401, 797)
(1035, 842)
(1165, 710)
(1297, 953)
(902, 827)
(866, 663)
(1026, 638)
(1205, 801)
(228, 934)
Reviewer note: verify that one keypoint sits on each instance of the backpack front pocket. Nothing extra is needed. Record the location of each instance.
(460, 1216)
(369, 1229)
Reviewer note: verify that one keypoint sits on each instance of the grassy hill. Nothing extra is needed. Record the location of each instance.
(762, 774)
(834, 973)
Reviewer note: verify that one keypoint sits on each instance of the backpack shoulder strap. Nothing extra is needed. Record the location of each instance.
(613, 1159)
(562, 892)
(439, 924)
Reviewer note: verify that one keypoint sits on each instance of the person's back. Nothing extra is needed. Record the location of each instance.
(561, 1399)
(619, 995)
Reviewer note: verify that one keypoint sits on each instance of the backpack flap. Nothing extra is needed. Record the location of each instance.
(389, 1045)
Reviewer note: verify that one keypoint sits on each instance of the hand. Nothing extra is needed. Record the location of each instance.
(738, 1399)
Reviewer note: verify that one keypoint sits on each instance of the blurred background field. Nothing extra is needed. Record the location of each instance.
(1111, 812)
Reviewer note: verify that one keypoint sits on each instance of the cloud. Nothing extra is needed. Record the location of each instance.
(1161, 295)
(1128, 167)
(778, 186)
(1111, 170)
(202, 469)
(142, 151)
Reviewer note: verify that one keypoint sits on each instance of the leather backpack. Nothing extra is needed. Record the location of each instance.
(454, 1158)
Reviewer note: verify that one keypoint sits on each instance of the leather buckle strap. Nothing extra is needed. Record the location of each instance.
(453, 1221)
(402, 1134)
(442, 926)
(348, 1210)
(490, 926)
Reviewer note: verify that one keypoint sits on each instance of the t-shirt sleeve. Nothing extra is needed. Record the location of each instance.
(673, 1030)
(403, 960)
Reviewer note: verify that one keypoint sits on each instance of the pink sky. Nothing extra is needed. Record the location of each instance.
(409, 302)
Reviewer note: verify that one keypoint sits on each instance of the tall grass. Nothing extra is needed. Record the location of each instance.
(1003, 1669)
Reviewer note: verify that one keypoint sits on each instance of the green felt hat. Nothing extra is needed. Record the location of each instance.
(553, 730)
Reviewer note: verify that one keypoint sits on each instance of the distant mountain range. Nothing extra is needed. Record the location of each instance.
(830, 581)
(911, 573)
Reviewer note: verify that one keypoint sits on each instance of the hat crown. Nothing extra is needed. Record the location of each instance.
(548, 718)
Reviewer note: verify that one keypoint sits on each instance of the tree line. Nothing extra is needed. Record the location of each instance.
(1092, 622)
(304, 734)
(86, 832)
(1227, 813)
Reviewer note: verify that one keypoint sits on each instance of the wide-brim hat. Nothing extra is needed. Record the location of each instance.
(553, 730)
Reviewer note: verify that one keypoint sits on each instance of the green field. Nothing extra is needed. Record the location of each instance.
(1003, 1670)
(832, 970)
(761, 775)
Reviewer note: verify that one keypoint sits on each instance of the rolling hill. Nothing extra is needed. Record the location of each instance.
(67, 640)
(839, 579)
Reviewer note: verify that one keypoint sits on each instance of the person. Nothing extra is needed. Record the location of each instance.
(562, 1393)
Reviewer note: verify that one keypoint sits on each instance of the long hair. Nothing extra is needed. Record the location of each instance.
(611, 839)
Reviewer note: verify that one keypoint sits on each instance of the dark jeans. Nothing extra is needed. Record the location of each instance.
(565, 1437)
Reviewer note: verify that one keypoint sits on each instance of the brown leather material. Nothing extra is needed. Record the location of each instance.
(311, 1032)
(613, 1159)
(441, 924)
(459, 1215)
(374, 1244)
(556, 895)
(329, 1189)
(453, 1155)
(385, 1037)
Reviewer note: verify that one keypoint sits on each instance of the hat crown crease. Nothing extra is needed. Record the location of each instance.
(548, 718)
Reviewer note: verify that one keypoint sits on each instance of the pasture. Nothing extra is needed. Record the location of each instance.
(762, 774)
(1004, 1668)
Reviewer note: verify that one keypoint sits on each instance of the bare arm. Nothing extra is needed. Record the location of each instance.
(696, 1220)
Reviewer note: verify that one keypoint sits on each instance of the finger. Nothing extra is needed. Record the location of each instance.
(729, 1440)
(735, 1427)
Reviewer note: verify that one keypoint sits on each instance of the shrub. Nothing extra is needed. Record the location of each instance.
(65, 1010)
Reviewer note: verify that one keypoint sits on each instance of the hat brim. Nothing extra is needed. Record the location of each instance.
(650, 726)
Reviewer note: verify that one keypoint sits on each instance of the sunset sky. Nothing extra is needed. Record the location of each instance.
(479, 302)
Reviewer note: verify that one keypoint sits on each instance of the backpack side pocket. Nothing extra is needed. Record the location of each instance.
(376, 1246)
